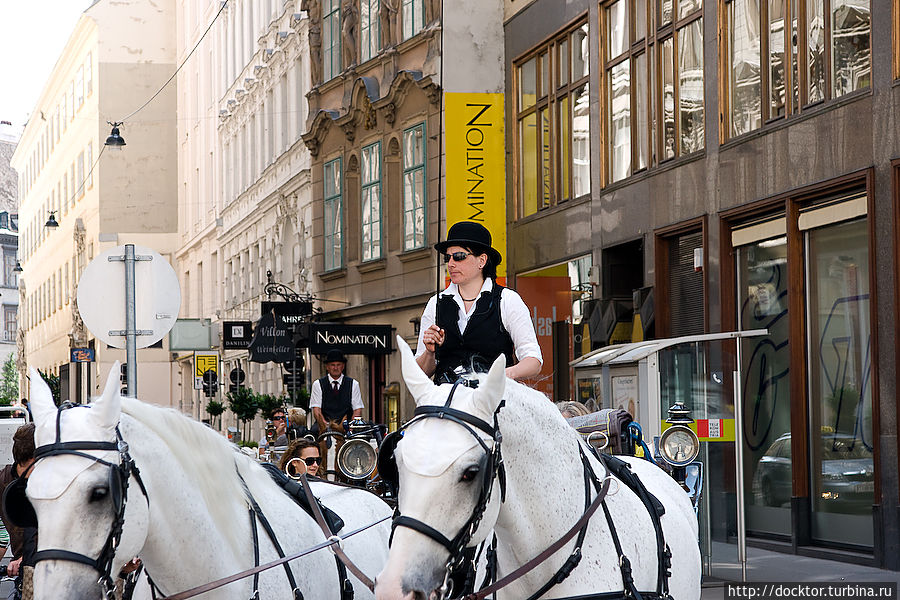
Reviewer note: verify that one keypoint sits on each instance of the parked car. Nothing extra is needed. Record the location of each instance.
(847, 477)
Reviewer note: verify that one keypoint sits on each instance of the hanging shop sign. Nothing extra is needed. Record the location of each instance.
(272, 341)
(236, 335)
(349, 338)
(81, 355)
(290, 312)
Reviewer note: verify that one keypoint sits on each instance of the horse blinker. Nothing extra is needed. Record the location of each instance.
(17, 506)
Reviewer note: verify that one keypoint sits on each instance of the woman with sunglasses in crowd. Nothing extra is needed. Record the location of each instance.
(308, 454)
(475, 320)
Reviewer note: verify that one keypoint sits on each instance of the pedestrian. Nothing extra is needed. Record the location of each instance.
(475, 320)
(334, 399)
(23, 540)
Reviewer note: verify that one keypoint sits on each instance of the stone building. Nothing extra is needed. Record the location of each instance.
(739, 170)
(118, 56)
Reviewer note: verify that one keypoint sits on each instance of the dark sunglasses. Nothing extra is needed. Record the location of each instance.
(457, 256)
(312, 460)
(281, 418)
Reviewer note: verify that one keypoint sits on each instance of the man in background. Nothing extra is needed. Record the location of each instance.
(22, 541)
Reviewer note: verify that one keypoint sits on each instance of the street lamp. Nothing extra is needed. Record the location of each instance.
(51, 222)
(18, 267)
(115, 141)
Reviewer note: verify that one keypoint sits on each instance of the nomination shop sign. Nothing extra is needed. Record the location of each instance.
(351, 339)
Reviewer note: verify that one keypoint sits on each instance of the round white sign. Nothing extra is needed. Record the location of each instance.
(101, 296)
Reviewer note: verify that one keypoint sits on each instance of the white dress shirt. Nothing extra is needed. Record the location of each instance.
(315, 394)
(514, 314)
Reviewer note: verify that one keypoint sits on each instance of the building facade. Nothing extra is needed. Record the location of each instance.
(741, 173)
(100, 199)
(9, 243)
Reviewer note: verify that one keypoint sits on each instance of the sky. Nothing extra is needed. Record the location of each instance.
(33, 33)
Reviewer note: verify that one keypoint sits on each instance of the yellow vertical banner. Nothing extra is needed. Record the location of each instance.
(476, 164)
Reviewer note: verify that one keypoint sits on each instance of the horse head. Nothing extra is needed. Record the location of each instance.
(447, 470)
(78, 492)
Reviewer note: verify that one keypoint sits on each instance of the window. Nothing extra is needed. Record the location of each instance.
(369, 29)
(80, 173)
(765, 82)
(371, 202)
(79, 87)
(333, 209)
(90, 164)
(552, 122)
(413, 17)
(9, 323)
(88, 76)
(10, 277)
(331, 39)
(647, 48)
(414, 187)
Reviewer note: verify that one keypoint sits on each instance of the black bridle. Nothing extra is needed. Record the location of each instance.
(119, 475)
(493, 470)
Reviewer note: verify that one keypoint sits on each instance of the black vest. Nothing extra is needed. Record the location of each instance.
(484, 340)
(339, 406)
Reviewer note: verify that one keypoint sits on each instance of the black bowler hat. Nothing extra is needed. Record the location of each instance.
(469, 234)
(335, 355)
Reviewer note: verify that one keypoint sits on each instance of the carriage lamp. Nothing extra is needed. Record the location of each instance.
(679, 445)
(357, 459)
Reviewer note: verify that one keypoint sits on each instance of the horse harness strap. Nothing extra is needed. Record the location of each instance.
(343, 561)
(118, 489)
(256, 514)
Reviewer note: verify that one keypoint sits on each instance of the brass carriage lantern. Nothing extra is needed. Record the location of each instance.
(679, 445)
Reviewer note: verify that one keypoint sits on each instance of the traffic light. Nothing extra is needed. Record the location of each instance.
(123, 377)
(210, 383)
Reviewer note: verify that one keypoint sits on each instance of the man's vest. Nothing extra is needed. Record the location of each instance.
(484, 340)
(337, 406)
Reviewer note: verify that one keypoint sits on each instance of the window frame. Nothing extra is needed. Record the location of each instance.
(549, 99)
(411, 169)
(335, 202)
(413, 31)
(374, 226)
(332, 53)
(369, 33)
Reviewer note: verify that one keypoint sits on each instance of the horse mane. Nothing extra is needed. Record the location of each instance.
(208, 458)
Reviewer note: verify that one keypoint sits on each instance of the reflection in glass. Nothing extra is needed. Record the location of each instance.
(815, 39)
(668, 99)
(371, 201)
(746, 112)
(776, 59)
(580, 62)
(581, 143)
(617, 29)
(546, 175)
(686, 7)
(795, 54)
(851, 59)
(665, 12)
(690, 86)
(528, 164)
(527, 84)
(544, 61)
(640, 19)
(564, 148)
(333, 237)
(563, 63)
(619, 121)
(641, 133)
(840, 384)
(762, 304)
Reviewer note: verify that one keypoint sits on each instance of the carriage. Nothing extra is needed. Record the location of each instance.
(161, 475)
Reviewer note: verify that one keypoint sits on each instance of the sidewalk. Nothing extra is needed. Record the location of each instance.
(776, 567)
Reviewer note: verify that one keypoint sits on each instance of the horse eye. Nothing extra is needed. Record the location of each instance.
(99, 493)
(470, 473)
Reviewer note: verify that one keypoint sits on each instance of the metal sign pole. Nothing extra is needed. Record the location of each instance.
(130, 331)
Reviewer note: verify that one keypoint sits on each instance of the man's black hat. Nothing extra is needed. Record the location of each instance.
(469, 234)
(334, 355)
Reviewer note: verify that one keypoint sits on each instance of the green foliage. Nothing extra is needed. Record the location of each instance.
(52, 381)
(215, 408)
(243, 404)
(268, 404)
(248, 444)
(9, 382)
(299, 399)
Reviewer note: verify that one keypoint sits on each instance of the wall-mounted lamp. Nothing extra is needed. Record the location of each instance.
(17, 268)
(115, 141)
(51, 222)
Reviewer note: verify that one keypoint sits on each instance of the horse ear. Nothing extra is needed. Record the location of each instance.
(41, 401)
(416, 380)
(107, 408)
(491, 389)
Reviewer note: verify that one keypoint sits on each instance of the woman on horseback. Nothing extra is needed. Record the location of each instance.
(475, 320)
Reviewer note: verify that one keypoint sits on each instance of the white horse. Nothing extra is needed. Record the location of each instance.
(193, 526)
(439, 462)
